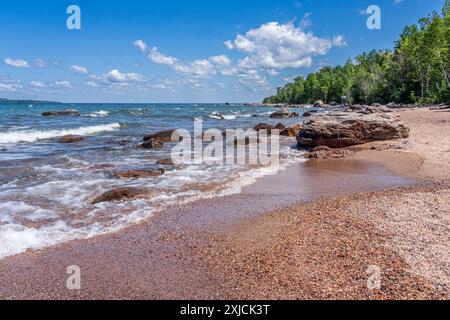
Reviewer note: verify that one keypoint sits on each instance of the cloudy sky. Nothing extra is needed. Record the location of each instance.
(184, 51)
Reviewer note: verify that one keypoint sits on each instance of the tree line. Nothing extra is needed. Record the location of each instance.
(417, 70)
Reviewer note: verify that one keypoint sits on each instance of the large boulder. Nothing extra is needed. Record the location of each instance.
(122, 194)
(343, 129)
(67, 112)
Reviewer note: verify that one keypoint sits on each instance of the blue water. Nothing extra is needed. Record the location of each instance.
(46, 187)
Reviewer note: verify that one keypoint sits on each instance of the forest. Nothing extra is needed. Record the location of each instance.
(416, 70)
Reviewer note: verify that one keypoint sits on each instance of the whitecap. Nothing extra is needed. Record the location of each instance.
(35, 135)
(101, 113)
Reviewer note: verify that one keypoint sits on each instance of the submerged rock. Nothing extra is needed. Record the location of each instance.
(67, 112)
(164, 136)
(165, 162)
(152, 144)
(121, 194)
(71, 138)
(337, 129)
(283, 114)
(139, 174)
(323, 152)
(263, 126)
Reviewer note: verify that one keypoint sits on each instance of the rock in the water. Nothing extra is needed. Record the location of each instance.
(338, 129)
(139, 174)
(67, 112)
(280, 126)
(164, 136)
(152, 144)
(263, 126)
(323, 152)
(70, 138)
(283, 114)
(165, 162)
(291, 132)
(121, 194)
(307, 114)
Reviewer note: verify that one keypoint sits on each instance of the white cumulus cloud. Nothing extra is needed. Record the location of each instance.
(61, 85)
(38, 84)
(116, 76)
(278, 46)
(9, 87)
(159, 58)
(140, 45)
(221, 60)
(18, 63)
(78, 69)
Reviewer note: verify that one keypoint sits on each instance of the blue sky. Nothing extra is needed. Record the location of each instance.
(184, 51)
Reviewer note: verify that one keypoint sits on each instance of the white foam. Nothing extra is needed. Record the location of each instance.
(101, 113)
(35, 135)
(73, 196)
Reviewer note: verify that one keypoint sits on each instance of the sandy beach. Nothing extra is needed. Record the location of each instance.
(309, 232)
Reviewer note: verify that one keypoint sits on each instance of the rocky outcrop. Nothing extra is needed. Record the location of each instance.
(70, 138)
(283, 114)
(140, 174)
(342, 129)
(152, 144)
(164, 136)
(67, 112)
(122, 194)
(323, 152)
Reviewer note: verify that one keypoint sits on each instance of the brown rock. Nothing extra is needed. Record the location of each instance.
(319, 104)
(121, 194)
(67, 112)
(165, 162)
(336, 129)
(291, 132)
(71, 138)
(152, 144)
(263, 126)
(139, 174)
(283, 114)
(280, 126)
(323, 152)
(164, 136)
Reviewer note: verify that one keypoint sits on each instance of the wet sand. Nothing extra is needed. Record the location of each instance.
(311, 231)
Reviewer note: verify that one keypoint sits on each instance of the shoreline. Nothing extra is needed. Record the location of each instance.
(235, 246)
